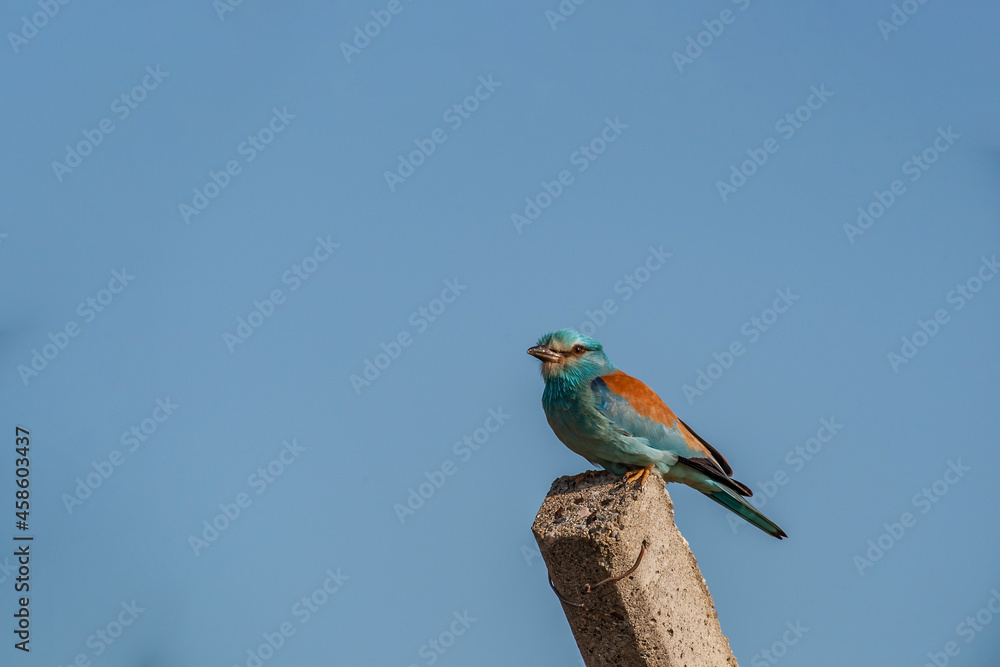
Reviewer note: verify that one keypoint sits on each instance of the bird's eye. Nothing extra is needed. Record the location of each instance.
(579, 349)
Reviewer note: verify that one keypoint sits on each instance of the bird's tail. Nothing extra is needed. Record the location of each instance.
(734, 503)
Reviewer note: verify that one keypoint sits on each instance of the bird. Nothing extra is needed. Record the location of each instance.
(617, 422)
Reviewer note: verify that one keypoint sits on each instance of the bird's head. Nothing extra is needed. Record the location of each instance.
(569, 355)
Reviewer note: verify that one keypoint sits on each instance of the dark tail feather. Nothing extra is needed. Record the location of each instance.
(737, 505)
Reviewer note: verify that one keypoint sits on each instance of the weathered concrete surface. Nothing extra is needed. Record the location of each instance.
(662, 614)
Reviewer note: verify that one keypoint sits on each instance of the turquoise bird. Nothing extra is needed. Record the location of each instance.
(615, 421)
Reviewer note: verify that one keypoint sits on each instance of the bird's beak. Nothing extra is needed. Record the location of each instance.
(544, 353)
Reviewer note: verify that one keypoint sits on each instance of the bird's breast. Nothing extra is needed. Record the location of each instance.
(580, 427)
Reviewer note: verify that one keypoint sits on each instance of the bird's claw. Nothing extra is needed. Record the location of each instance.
(640, 475)
(576, 479)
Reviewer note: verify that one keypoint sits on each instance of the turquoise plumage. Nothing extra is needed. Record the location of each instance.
(615, 421)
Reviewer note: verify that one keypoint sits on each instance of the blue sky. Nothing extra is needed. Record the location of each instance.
(202, 247)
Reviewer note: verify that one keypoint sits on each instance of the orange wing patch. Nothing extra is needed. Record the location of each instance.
(645, 401)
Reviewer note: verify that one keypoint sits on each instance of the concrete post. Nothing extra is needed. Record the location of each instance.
(661, 614)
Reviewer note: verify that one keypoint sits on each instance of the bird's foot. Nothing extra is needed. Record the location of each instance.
(639, 475)
(576, 479)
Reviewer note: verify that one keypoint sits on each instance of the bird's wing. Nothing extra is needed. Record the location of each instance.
(635, 408)
(719, 458)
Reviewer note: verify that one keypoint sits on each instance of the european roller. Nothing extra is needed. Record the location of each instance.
(615, 421)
